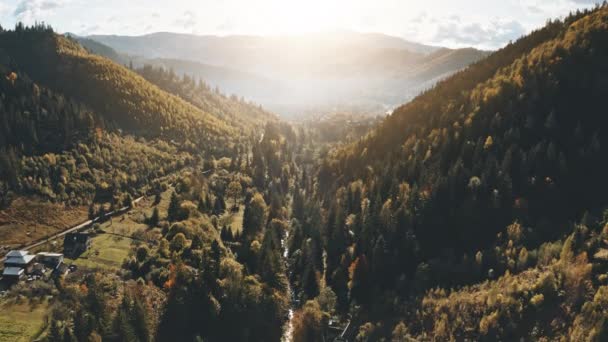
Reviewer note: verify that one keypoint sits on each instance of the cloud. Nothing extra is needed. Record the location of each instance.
(188, 21)
(461, 31)
(587, 2)
(491, 35)
(31, 10)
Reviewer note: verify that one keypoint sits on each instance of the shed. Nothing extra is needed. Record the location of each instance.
(75, 244)
(51, 260)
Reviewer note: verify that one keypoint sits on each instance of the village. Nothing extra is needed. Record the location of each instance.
(21, 265)
(50, 259)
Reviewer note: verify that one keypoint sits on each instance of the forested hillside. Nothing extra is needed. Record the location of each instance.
(79, 130)
(424, 200)
(74, 123)
(237, 111)
(122, 97)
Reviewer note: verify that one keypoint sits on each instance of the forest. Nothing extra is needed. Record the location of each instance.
(476, 211)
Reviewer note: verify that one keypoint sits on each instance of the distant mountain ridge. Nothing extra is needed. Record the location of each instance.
(291, 74)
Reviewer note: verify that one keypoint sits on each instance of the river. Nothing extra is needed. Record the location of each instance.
(288, 328)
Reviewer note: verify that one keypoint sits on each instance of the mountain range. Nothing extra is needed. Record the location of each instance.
(296, 74)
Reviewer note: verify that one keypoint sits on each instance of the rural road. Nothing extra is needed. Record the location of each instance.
(74, 228)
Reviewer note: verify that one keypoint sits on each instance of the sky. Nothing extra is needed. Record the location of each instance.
(484, 24)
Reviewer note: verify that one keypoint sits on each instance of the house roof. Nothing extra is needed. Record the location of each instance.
(50, 255)
(12, 271)
(20, 260)
(16, 253)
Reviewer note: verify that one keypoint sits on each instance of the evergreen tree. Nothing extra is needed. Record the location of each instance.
(173, 212)
(55, 332)
(254, 217)
(154, 219)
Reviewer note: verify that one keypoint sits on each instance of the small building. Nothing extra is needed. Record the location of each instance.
(75, 244)
(50, 260)
(19, 259)
(13, 274)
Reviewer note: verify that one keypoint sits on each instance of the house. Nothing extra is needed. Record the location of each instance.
(20, 259)
(50, 260)
(17, 264)
(75, 244)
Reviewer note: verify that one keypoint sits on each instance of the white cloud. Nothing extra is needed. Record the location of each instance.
(459, 31)
(32, 10)
(490, 34)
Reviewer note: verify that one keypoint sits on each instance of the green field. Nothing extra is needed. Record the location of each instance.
(107, 251)
(21, 322)
(110, 249)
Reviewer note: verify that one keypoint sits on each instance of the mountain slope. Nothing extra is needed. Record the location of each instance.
(515, 141)
(124, 98)
(77, 127)
(538, 111)
(237, 111)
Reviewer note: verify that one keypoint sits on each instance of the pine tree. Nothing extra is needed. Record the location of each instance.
(219, 207)
(81, 327)
(92, 211)
(55, 332)
(139, 321)
(360, 281)
(68, 336)
(154, 219)
(122, 324)
(173, 212)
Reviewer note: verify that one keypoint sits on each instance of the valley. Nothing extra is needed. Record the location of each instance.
(475, 210)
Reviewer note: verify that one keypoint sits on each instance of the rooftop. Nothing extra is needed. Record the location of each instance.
(19, 260)
(12, 271)
(16, 253)
(50, 255)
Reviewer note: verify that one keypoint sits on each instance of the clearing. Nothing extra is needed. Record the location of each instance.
(22, 322)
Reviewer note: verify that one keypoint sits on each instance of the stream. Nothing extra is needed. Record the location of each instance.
(288, 327)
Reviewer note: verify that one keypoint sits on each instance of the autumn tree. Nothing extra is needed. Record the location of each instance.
(234, 191)
(254, 217)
